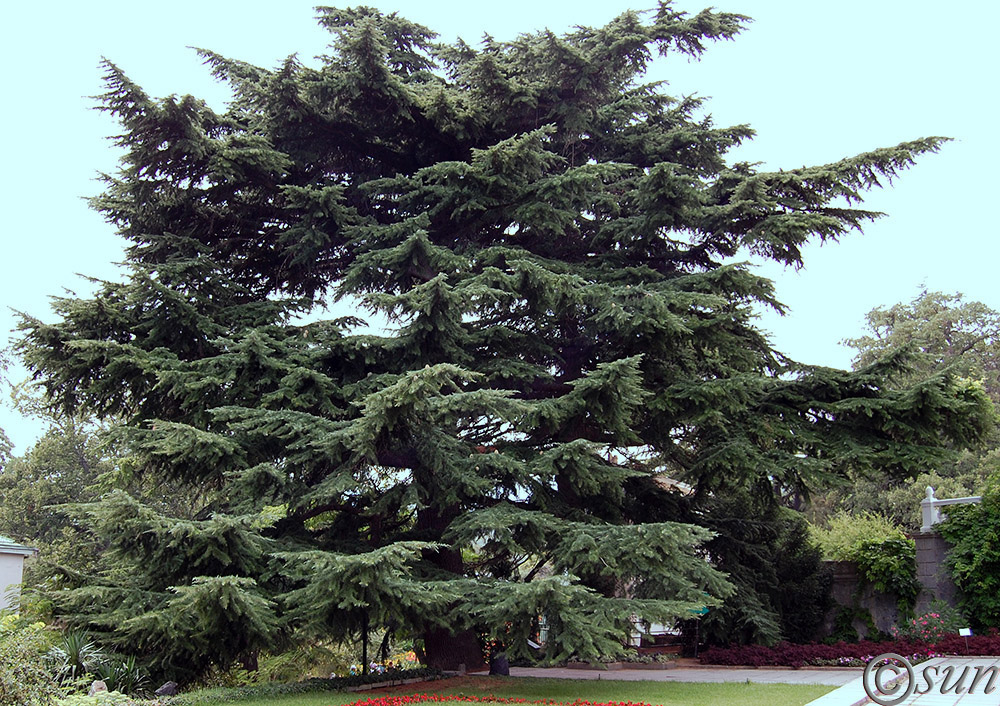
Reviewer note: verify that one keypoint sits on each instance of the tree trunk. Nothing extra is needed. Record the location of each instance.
(383, 649)
(448, 651)
(249, 661)
(443, 648)
(364, 646)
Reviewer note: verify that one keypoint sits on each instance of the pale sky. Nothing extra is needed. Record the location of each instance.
(818, 81)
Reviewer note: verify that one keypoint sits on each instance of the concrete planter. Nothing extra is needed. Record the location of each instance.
(614, 666)
(603, 666)
(651, 665)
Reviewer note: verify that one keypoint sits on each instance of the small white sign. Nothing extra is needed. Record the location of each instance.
(965, 632)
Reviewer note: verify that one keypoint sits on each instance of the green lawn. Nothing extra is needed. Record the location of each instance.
(665, 693)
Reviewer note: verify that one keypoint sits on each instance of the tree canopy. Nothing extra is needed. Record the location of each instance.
(544, 245)
(943, 330)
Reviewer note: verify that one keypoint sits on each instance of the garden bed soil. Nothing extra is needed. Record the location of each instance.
(391, 683)
(477, 683)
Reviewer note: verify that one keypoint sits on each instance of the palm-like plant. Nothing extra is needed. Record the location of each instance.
(76, 656)
(124, 675)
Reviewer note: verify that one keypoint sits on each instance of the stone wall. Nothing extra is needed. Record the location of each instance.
(846, 594)
(932, 573)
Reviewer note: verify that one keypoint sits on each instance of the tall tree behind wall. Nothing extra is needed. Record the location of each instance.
(943, 332)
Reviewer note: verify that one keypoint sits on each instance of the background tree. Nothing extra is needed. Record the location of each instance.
(60, 468)
(5, 446)
(943, 332)
(782, 589)
(76, 461)
(550, 242)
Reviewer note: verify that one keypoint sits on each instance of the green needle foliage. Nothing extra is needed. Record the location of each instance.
(544, 245)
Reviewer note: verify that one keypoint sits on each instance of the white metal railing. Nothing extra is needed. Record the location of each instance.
(930, 508)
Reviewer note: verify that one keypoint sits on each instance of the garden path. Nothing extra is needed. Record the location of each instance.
(853, 693)
(831, 677)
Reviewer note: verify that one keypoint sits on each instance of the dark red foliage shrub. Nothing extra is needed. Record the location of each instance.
(787, 654)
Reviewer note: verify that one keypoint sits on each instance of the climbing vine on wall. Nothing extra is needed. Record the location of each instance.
(890, 566)
(974, 560)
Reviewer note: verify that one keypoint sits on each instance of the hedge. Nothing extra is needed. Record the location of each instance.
(787, 654)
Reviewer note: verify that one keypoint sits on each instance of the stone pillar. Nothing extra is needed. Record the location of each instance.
(932, 573)
(932, 550)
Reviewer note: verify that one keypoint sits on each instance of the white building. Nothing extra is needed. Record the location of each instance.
(11, 566)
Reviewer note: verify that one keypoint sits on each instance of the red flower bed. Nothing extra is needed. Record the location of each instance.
(786, 654)
(439, 698)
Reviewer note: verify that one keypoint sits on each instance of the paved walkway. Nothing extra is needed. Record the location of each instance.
(947, 672)
(698, 674)
(937, 675)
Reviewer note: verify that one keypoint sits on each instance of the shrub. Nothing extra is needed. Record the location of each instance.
(782, 587)
(844, 621)
(933, 626)
(786, 654)
(844, 532)
(886, 559)
(633, 657)
(23, 678)
(231, 678)
(305, 660)
(890, 565)
(951, 617)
